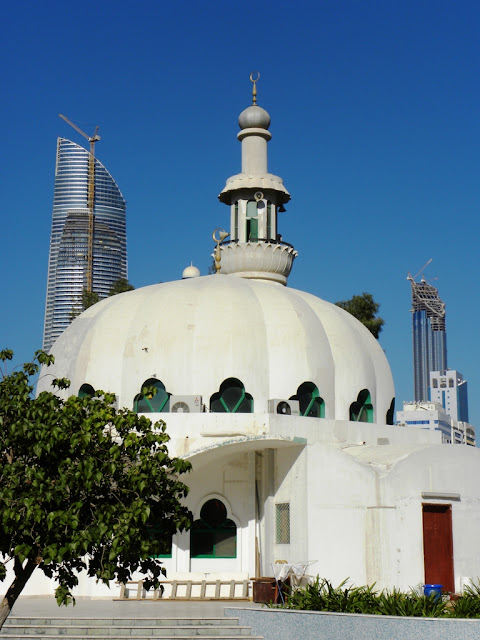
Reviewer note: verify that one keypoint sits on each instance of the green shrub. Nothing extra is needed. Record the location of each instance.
(414, 603)
(468, 604)
(321, 595)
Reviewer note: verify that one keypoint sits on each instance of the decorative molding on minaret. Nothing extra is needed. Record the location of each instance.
(255, 196)
(258, 260)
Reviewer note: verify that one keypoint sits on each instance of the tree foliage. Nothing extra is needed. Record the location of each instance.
(364, 308)
(89, 298)
(84, 487)
(120, 286)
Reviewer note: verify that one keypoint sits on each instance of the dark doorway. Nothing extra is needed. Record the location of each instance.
(438, 545)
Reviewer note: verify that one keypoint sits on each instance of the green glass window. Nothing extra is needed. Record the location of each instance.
(252, 230)
(311, 404)
(252, 209)
(86, 390)
(153, 398)
(362, 409)
(231, 398)
(213, 535)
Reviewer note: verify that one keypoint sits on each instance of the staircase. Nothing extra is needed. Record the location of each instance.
(121, 628)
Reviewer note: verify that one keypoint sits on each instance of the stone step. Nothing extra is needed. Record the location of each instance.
(89, 636)
(36, 628)
(74, 631)
(122, 622)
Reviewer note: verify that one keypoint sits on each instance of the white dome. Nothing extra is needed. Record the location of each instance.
(191, 272)
(193, 334)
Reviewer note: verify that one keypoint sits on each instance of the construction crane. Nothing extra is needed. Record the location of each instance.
(90, 196)
(412, 278)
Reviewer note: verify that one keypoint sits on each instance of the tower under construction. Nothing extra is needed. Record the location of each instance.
(88, 249)
(429, 335)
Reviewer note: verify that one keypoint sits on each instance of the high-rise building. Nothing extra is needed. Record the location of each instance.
(68, 260)
(449, 389)
(429, 336)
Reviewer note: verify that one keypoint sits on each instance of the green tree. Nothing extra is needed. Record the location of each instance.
(364, 308)
(84, 487)
(120, 286)
(89, 298)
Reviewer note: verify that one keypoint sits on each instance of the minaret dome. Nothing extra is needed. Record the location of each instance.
(254, 117)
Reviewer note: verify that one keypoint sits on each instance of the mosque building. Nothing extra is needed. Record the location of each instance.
(283, 403)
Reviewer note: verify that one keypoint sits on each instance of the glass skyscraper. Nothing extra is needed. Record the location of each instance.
(67, 265)
(429, 336)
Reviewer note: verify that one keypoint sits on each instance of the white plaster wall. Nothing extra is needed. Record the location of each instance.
(355, 510)
(443, 469)
(338, 493)
(228, 479)
(291, 486)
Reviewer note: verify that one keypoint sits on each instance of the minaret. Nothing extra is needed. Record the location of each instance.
(255, 248)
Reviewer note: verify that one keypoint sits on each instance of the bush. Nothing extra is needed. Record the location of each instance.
(468, 604)
(321, 595)
(414, 603)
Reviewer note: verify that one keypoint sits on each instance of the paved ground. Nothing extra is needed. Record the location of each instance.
(44, 606)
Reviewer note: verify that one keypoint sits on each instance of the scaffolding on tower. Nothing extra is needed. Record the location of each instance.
(90, 197)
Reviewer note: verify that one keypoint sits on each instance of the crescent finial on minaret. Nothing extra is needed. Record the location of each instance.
(254, 81)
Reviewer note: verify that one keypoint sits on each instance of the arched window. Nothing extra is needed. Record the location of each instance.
(214, 535)
(231, 398)
(86, 390)
(153, 398)
(311, 404)
(362, 409)
(390, 412)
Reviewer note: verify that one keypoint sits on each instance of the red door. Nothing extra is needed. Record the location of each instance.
(438, 545)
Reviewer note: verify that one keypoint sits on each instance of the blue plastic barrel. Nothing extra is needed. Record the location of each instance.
(433, 589)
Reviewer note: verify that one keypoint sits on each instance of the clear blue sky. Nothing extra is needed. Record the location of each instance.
(375, 119)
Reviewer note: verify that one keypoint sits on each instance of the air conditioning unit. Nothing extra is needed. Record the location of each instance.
(284, 407)
(186, 404)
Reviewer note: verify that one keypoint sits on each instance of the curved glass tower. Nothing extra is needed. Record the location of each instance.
(67, 264)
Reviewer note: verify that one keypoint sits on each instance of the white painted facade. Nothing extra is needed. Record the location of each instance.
(355, 489)
(449, 389)
(432, 416)
(426, 415)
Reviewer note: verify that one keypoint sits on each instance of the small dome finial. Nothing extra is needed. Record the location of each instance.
(254, 80)
(190, 272)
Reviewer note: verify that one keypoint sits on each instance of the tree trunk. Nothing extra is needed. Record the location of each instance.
(22, 575)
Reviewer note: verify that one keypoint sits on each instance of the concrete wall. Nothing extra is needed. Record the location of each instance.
(277, 624)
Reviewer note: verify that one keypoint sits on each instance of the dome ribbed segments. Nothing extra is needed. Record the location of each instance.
(193, 334)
